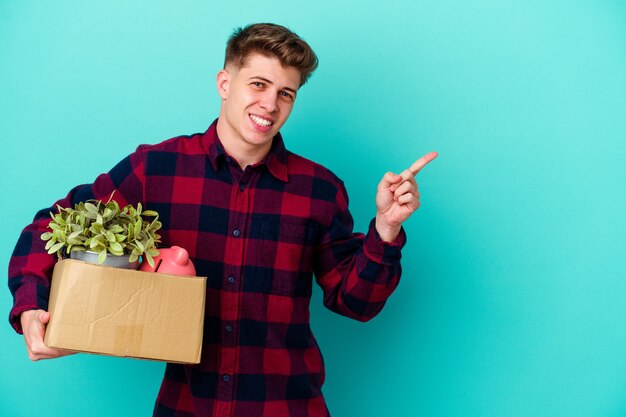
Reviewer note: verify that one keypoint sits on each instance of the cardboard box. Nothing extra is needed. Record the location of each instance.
(128, 313)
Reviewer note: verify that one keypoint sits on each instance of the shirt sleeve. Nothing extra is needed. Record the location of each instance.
(30, 266)
(357, 272)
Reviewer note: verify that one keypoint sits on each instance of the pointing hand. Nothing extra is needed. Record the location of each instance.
(397, 198)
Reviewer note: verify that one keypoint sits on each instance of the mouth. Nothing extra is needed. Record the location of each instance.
(260, 121)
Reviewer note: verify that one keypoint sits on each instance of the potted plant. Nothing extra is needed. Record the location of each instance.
(96, 230)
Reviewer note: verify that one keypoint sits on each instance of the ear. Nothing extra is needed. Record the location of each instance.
(223, 83)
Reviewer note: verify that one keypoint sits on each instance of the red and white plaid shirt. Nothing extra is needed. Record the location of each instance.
(259, 235)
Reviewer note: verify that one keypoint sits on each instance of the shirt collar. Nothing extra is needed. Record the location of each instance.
(275, 160)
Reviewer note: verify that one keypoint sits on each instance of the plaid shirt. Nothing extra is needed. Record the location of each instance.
(259, 235)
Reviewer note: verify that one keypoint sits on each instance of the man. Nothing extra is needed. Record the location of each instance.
(259, 222)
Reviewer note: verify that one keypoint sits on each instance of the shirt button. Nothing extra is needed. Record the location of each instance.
(231, 279)
(236, 232)
(229, 328)
(241, 187)
(226, 378)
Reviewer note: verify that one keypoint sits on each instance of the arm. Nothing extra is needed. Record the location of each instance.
(356, 272)
(359, 272)
(30, 267)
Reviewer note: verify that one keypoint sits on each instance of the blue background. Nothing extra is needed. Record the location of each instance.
(512, 298)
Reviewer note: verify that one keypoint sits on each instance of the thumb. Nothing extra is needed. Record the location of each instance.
(388, 179)
(43, 316)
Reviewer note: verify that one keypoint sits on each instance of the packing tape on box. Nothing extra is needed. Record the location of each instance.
(128, 340)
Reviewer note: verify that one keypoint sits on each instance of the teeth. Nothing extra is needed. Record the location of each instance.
(260, 122)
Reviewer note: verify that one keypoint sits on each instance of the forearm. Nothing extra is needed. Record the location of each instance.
(365, 272)
(387, 233)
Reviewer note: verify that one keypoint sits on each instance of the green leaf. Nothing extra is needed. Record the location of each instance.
(133, 257)
(46, 236)
(74, 235)
(102, 256)
(150, 260)
(155, 225)
(110, 236)
(73, 241)
(150, 213)
(116, 228)
(55, 248)
(137, 227)
(91, 208)
(116, 249)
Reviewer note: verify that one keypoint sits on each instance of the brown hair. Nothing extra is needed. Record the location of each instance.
(273, 41)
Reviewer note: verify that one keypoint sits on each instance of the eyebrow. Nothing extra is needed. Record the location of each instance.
(270, 82)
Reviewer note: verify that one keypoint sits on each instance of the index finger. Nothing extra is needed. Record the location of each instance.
(422, 162)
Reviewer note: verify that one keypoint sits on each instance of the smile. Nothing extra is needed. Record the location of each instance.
(260, 121)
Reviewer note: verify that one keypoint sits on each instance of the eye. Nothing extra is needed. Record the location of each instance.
(257, 84)
(286, 95)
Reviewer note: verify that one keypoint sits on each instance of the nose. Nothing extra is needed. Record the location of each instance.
(269, 101)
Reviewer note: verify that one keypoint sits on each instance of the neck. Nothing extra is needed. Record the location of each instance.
(245, 153)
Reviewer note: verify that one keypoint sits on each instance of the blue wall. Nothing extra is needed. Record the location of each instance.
(512, 300)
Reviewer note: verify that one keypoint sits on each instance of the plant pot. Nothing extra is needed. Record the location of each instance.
(115, 261)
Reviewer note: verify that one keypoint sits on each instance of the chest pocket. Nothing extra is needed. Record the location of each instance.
(288, 247)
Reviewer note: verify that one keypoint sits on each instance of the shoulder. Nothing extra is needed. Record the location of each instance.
(188, 144)
(165, 158)
(308, 176)
(301, 166)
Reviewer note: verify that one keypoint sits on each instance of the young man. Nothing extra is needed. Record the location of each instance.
(259, 222)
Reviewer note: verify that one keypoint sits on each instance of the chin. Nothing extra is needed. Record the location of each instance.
(261, 142)
(261, 138)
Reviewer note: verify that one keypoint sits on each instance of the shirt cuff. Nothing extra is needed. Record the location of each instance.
(27, 297)
(386, 253)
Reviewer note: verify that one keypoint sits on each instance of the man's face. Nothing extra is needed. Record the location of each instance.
(256, 102)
